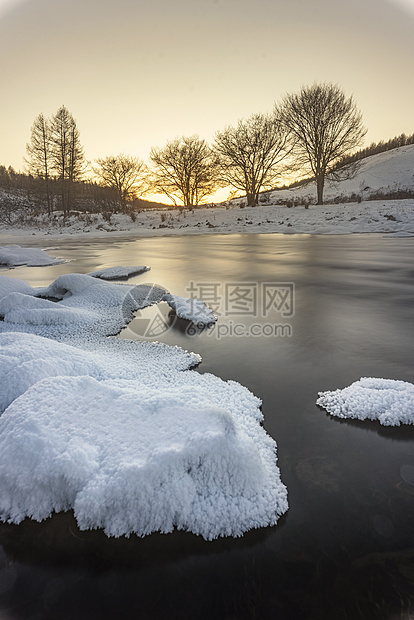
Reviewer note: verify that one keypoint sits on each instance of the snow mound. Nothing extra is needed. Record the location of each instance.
(117, 273)
(389, 401)
(152, 450)
(13, 285)
(194, 310)
(26, 359)
(14, 256)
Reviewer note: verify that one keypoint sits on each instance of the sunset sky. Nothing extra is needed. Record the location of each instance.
(135, 73)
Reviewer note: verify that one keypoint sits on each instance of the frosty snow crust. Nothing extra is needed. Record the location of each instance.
(132, 455)
(86, 306)
(386, 400)
(114, 430)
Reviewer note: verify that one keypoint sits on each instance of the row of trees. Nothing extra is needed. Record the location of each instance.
(55, 152)
(308, 133)
(378, 147)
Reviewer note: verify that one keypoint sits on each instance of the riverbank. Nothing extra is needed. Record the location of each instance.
(391, 217)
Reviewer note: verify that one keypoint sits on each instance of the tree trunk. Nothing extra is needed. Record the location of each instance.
(70, 196)
(49, 208)
(320, 181)
(64, 195)
(251, 200)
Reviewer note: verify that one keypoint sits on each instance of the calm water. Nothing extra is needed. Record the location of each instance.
(345, 549)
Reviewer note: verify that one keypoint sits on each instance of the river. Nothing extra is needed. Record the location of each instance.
(298, 314)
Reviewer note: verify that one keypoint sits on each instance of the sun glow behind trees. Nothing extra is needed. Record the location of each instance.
(310, 133)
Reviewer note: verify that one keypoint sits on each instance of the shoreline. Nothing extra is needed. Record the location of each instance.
(393, 217)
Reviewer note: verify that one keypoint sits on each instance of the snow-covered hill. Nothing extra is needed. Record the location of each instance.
(386, 173)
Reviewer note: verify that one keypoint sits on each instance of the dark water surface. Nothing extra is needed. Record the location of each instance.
(345, 548)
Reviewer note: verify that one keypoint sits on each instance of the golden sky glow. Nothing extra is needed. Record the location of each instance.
(135, 73)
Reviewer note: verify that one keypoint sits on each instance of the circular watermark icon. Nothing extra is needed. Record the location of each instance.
(142, 313)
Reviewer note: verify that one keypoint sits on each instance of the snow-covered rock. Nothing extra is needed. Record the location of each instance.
(114, 429)
(119, 272)
(194, 310)
(83, 304)
(387, 400)
(131, 448)
(14, 255)
(14, 285)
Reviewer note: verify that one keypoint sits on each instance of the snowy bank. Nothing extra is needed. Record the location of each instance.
(389, 401)
(14, 256)
(133, 452)
(379, 216)
(388, 174)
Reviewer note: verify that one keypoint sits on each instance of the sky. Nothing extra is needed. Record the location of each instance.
(136, 73)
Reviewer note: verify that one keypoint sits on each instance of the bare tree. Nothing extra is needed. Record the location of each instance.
(127, 175)
(67, 155)
(185, 170)
(325, 126)
(250, 155)
(38, 151)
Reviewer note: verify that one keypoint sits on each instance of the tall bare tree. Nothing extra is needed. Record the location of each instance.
(38, 151)
(67, 156)
(250, 155)
(185, 170)
(127, 175)
(325, 126)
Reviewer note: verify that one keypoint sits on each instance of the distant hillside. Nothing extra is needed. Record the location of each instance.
(386, 175)
(378, 147)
